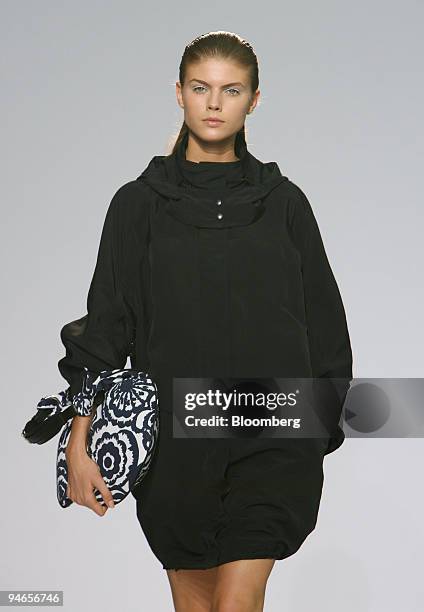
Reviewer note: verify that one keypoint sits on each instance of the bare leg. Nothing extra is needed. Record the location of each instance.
(192, 590)
(240, 585)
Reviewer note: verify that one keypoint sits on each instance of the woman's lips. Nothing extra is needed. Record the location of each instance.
(213, 123)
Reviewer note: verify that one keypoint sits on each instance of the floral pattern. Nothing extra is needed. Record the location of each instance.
(123, 433)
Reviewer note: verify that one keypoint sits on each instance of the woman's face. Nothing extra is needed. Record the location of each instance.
(216, 88)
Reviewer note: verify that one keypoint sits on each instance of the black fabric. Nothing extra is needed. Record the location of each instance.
(104, 337)
(216, 269)
(202, 177)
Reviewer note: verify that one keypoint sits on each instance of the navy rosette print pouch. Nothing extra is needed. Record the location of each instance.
(122, 437)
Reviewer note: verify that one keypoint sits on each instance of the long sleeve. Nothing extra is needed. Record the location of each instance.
(329, 341)
(102, 339)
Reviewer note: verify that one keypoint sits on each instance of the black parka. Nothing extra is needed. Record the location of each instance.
(233, 282)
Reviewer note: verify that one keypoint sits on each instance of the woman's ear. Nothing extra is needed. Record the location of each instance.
(179, 94)
(254, 102)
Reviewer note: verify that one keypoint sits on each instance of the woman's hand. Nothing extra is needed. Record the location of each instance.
(83, 476)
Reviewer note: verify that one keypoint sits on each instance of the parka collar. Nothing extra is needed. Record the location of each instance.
(241, 207)
(207, 176)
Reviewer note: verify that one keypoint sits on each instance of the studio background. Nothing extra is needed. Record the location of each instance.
(88, 97)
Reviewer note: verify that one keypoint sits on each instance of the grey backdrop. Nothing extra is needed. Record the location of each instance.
(88, 98)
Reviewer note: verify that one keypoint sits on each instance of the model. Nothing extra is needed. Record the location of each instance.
(211, 264)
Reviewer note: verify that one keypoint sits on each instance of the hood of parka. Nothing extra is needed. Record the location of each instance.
(241, 206)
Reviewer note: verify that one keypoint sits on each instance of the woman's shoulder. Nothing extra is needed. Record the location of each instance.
(129, 202)
(130, 192)
(298, 202)
(296, 193)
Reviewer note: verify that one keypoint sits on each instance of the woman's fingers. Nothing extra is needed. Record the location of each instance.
(85, 476)
(104, 491)
(92, 503)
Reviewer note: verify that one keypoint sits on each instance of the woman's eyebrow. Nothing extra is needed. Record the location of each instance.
(227, 85)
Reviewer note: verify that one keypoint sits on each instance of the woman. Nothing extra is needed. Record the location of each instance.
(211, 264)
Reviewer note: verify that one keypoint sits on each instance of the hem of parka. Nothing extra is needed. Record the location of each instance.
(257, 554)
(232, 553)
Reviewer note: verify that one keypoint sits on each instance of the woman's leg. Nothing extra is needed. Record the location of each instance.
(192, 590)
(240, 585)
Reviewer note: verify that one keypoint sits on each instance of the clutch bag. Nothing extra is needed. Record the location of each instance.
(123, 434)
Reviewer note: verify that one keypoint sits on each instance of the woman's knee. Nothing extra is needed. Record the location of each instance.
(236, 601)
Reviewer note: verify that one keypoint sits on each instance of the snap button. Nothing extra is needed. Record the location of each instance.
(219, 203)
(219, 215)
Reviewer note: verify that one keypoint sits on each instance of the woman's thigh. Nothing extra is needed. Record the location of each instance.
(237, 585)
(240, 585)
(192, 590)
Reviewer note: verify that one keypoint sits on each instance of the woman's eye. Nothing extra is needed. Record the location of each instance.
(197, 87)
